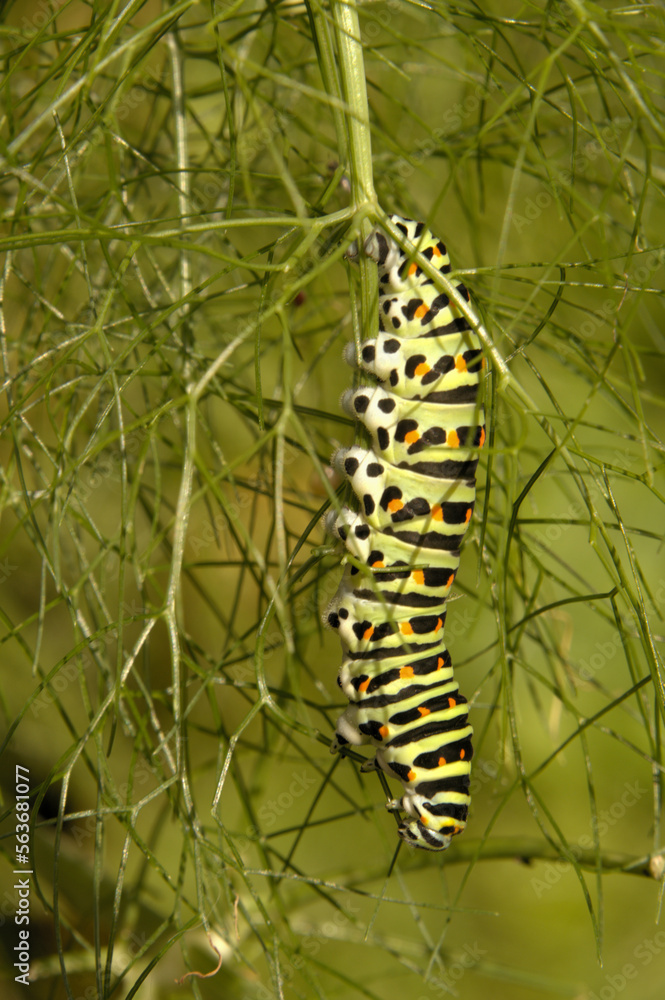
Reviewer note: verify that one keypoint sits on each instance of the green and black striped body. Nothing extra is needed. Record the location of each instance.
(416, 489)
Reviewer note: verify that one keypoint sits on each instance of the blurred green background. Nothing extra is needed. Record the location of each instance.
(177, 195)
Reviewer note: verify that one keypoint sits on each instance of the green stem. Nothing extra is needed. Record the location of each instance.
(363, 195)
(354, 89)
(531, 849)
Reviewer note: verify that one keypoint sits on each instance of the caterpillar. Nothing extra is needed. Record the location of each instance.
(415, 487)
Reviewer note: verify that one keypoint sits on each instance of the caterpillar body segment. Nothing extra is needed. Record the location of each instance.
(415, 429)
(415, 490)
(402, 366)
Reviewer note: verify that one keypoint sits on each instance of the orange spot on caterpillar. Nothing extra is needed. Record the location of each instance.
(424, 819)
(452, 439)
(367, 634)
(424, 711)
(437, 512)
(412, 437)
(449, 582)
(412, 269)
(418, 577)
(364, 684)
(451, 703)
(378, 564)
(439, 625)
(395, 505)
(460, 363)
(439, 663)
(406, 672)
(383, 732)
(421, 311)
(436, 252)
(468, 516)
(462, 754)
(422, 369)
(482, 437)
(412, 775)
(406, 628)
(442, 761)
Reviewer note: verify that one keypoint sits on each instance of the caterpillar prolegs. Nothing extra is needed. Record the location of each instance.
(415, 487)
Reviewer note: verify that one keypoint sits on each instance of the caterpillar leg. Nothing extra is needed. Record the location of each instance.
(347, 731)
(415, 833)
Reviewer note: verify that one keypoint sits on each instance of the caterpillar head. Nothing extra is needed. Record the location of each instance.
(416, 834)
